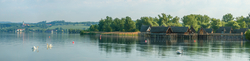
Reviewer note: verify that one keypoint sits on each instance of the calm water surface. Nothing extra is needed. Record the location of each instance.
(17, 47)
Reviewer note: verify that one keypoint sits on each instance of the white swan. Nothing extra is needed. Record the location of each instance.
(179, 51)
(34, 47)
(49, 45)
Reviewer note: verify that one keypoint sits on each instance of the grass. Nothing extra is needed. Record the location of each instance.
(115, 33)
(80, 26)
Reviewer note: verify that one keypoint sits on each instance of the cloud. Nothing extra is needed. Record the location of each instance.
(94, 10)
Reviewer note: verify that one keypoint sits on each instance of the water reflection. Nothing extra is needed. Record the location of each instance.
(116, 44)
(35, 50)
(49, 46)
(105, 47)
(167, 48)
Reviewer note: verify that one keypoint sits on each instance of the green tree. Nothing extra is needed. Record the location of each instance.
(233, 24)
(205, 25)
(175, 19)
(202, 19)
(101, 24)
(121, 24)
(129, 25)
(247, 34)
(156, 20)
(223, 23)
(138, 24)
(215, 23)
(227, 17)
(164, 19)
(243, 24)
(175, 22)
(94, 28)
(241, 21)
(190, 20)
(115, 24)
(107, 26)
(146, 21)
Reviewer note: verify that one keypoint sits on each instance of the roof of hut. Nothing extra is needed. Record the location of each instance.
(209, 30)
(235, 30)
(241, 30)
(144, 28)
(159, 29)
(204, 31)
(192, 29)
(226, 29)
(179, 29)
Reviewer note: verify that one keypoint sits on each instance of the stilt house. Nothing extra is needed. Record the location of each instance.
(161, 29)
(224, 30)
(241, 30)
(181, 30)
(145, 28)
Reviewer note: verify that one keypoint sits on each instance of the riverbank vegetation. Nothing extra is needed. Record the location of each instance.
(247, 34)
(109, 33)
(195, 20)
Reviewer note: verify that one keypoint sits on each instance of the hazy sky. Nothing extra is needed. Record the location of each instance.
(94, 10)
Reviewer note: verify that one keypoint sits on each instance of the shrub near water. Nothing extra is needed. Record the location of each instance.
(86, 33)
(82, 32)
(248, 34)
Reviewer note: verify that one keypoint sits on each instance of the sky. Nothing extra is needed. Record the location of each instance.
(33, 11)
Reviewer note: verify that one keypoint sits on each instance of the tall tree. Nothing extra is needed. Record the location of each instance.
(241, 21)
(122, 24)
(94, 27)
(175, 22)
(138, 24)
(215, 23)
(115, 24)
(164, 19)
(228, 17)
(175, 19)
(233, 24)
(101, 24)
(202, 19)
(108, 21)
(129, 24)
(243, 24)
(190, 20)
(146, 21)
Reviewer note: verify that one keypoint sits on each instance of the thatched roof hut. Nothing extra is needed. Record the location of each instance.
(224, 30)
(145, 28)
(180, 29)
(161, 29)
(243, 30)
(209, 30)
(192, 30)
(202, 31)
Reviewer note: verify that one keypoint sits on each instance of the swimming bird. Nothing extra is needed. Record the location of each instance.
(34, 47)
(179, 51)
(49, 45)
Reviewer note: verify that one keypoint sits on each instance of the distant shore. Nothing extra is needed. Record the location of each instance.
(112, 33)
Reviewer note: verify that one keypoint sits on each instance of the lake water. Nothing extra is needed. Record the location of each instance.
(17, 47)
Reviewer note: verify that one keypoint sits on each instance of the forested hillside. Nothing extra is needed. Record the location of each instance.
(43, 26)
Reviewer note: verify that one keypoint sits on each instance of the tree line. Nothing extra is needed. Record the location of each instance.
(195, 20)
(108, 25)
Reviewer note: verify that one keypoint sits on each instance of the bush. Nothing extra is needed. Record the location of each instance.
(87, 33)
(82, 32)
(248, 34)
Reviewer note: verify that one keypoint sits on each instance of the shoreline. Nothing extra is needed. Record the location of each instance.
(112, 33)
